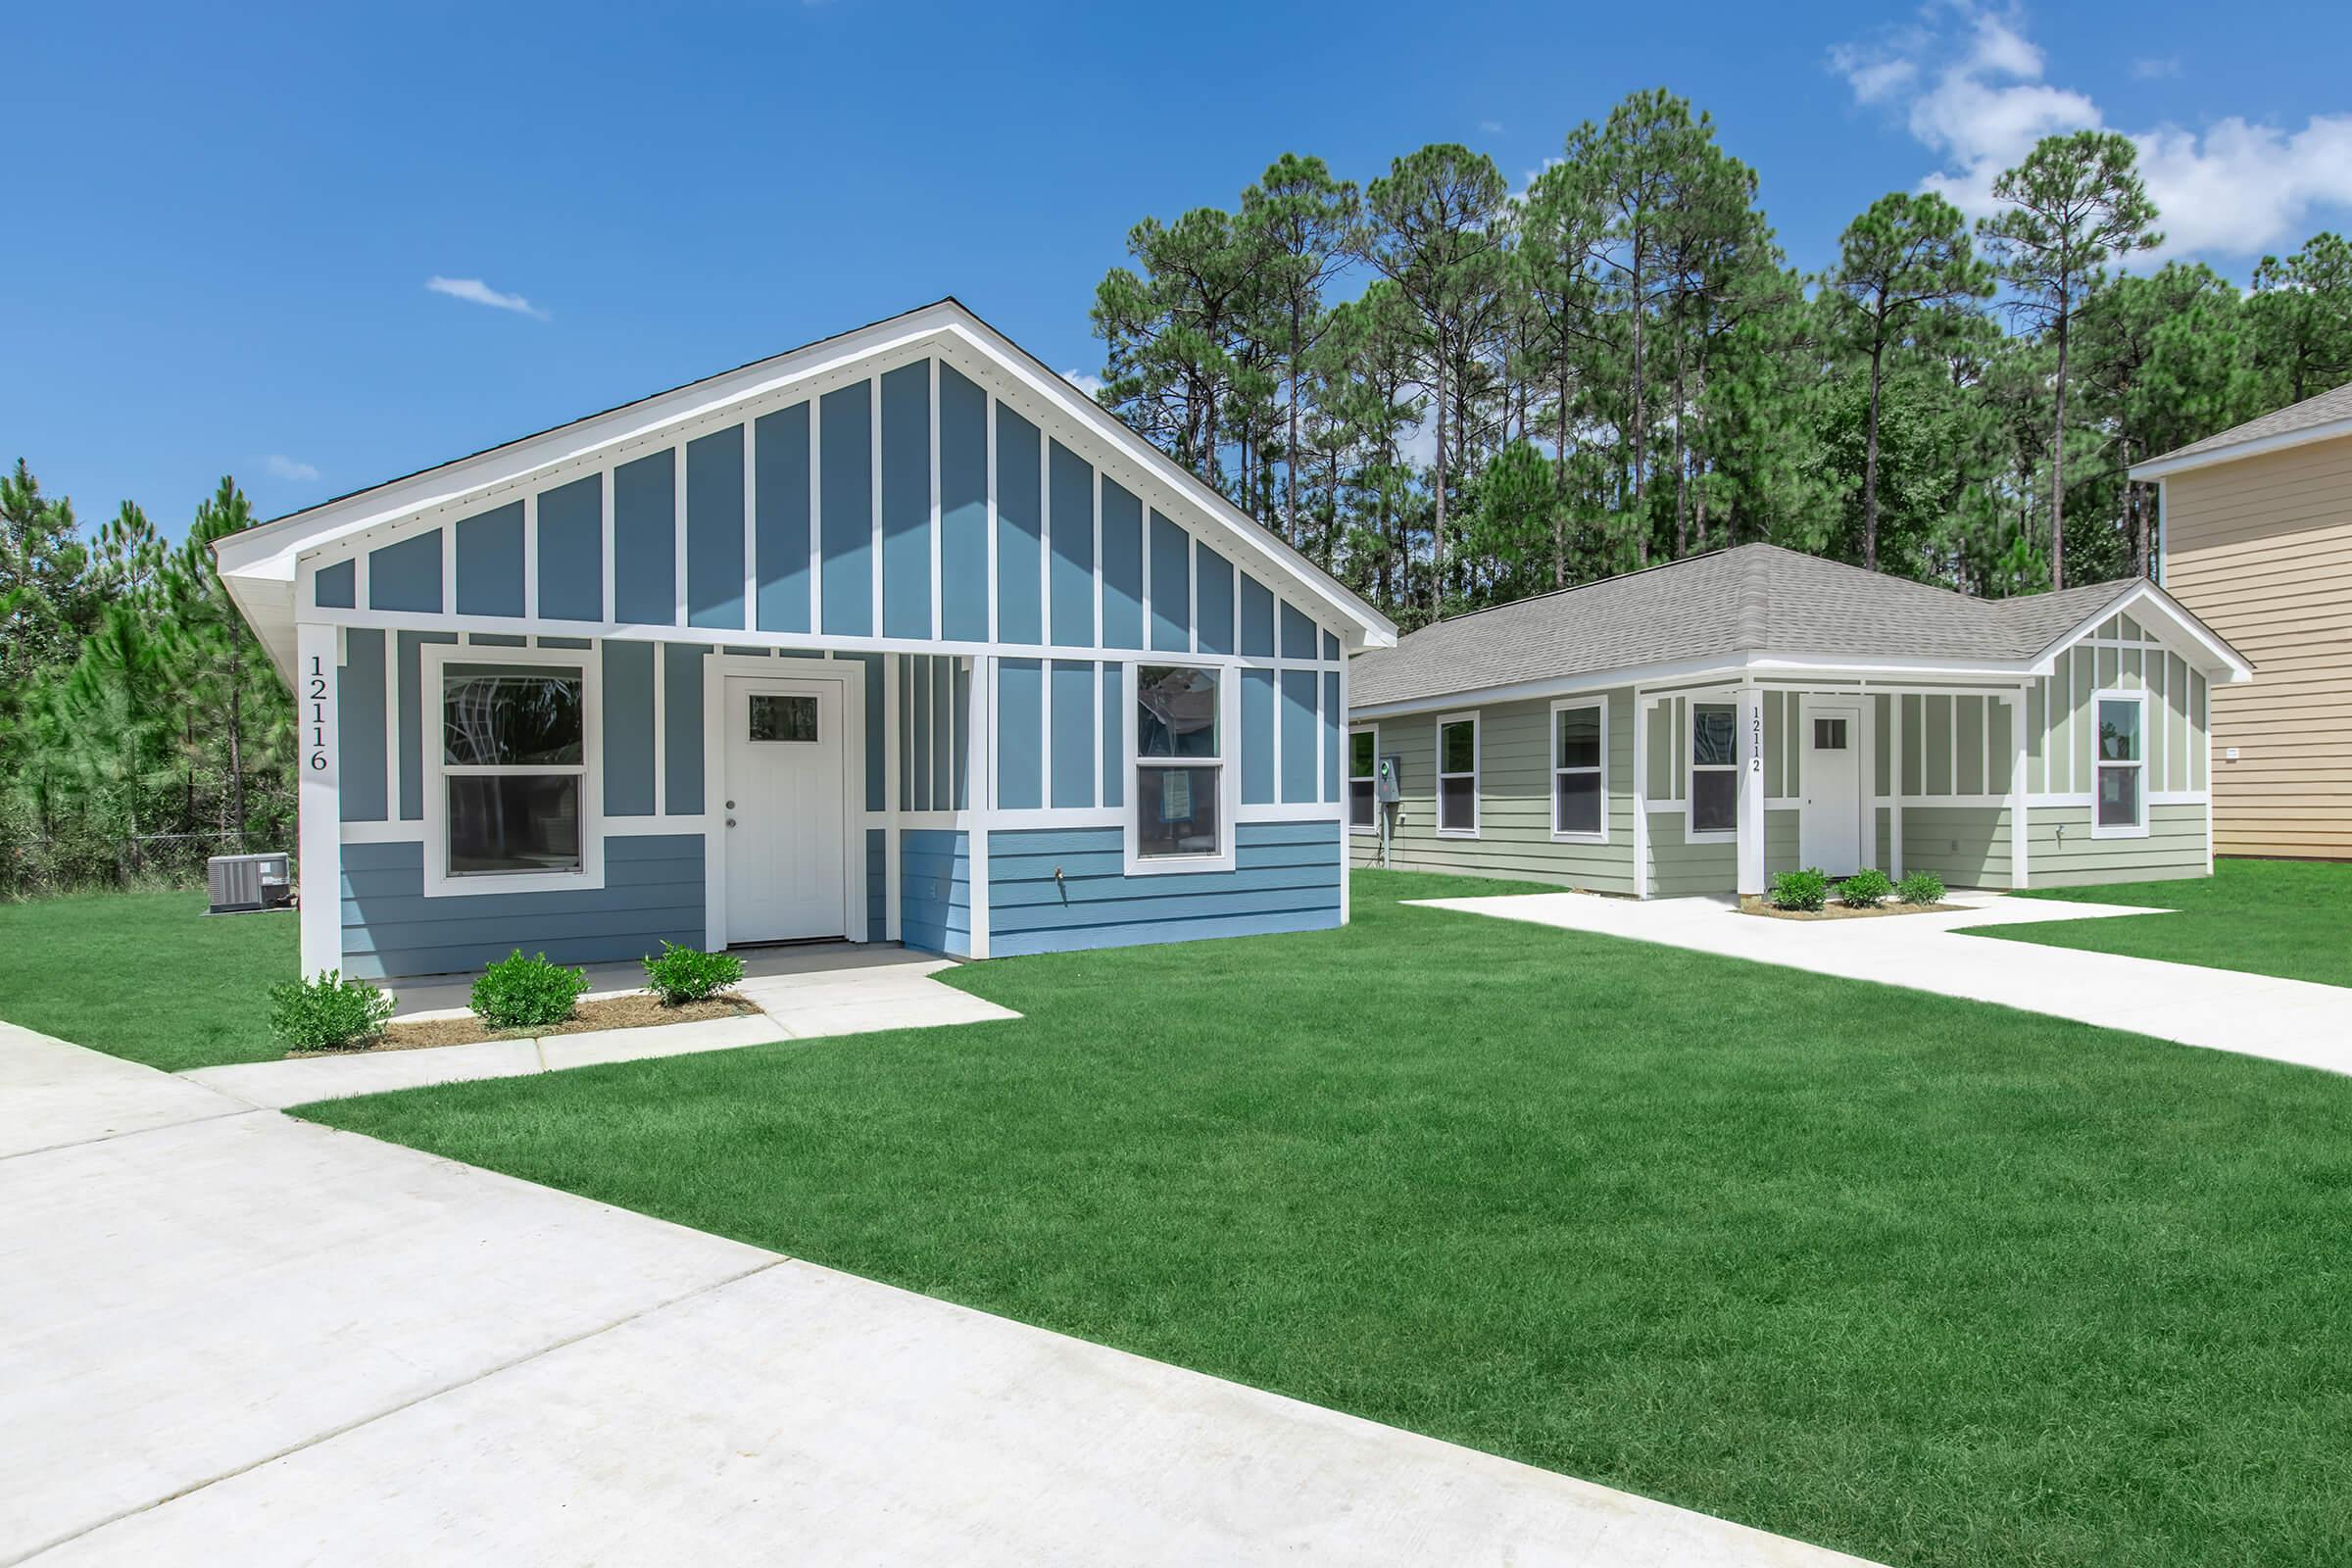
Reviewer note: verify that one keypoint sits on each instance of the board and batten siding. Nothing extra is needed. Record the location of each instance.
(2260, 549)
(912, 505)
(1514, 840)
(935, 900)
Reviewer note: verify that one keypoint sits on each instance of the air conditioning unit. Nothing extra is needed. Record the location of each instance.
(242, 883)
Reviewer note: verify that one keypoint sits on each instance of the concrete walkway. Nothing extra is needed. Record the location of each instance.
(2220, 1010)
(232, 1337)
(801, 994)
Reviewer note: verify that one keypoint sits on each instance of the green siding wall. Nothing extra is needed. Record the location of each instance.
(1515, 783)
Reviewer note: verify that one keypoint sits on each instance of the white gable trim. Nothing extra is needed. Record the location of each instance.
(2163, 468)
(2146, 602)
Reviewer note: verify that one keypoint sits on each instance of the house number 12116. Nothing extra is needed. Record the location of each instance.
(318, 700)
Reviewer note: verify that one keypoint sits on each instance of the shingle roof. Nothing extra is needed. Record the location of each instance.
(2328, 408)
(1755, 599)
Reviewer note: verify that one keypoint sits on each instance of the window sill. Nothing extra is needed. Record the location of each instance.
(1728, 835)
(1457, 833)
(1558, 837)
(2098, 832)
(1177, 864)
(440, 886)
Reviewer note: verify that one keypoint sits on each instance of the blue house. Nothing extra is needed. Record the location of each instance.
(897, 637)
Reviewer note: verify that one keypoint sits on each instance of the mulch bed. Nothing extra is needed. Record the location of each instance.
(635, 1011)
(1838, 911)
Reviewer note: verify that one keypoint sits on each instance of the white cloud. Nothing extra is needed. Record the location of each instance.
(474, 291)
(1091, 385)
(1492, 127)
(1971, 86)
(281, 466)
(2157, 70)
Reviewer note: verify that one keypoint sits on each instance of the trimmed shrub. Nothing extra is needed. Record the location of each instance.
(679, 975)
(328, 1013)
(1864, 889)
(1807, 890)
(1920, 887)
(519, 992)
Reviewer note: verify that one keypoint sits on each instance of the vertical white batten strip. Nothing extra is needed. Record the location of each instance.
(892, 804)
(979, 725)
(1347, 915)
(990, 436)
(660, 751)
(939, 588)
(1640, 791)
(677, 531)
(1894, 789)
(530, 555)
(751, 526)
(817, 516)
(1045, 547)
(2019, 847)
(873, 468)
(606, 530)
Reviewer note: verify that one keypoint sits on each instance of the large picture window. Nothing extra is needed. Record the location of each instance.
(513, 769)
(2120, 799)
(1714, 767)
(1363, 777)
(1578, 797)
(1179, 764)
(1457, 776)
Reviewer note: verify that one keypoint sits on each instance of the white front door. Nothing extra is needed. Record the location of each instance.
(787, 869)
(1830, 775)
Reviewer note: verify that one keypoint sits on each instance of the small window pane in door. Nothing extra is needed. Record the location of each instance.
(779, 717)
(1829, 734)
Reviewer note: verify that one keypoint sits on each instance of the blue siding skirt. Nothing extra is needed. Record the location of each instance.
(935, 891)
(652, 892)
(1285, 878)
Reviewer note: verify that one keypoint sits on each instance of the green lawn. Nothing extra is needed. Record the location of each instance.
(146, 975)
(2291, 919)
(1932, 1282)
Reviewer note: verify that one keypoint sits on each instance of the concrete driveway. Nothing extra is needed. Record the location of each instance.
(233, 1337)
(2220, 1010)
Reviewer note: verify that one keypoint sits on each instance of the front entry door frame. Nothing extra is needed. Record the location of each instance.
(850, 675)
(1850, 830)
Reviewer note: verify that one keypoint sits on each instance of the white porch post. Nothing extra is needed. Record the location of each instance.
(1894, 787)
(1752, 792)
(1641, 794)
(980, 789)
(2020, 836)
(319, 799)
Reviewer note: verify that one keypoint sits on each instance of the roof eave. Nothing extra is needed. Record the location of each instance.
(2183, 461)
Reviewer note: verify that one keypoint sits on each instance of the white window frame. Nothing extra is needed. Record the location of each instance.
(1693, 767)
(438, 882)
(1600, 770)
(1349, 776)
(1438, 774)
(2134, 830)
(1226, 764)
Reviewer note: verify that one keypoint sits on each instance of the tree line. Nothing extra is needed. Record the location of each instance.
(141, 726)
(1453, 395)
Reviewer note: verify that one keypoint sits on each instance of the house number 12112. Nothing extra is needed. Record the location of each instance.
(317, 696)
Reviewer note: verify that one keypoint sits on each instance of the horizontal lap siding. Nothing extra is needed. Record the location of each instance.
(935, 891)
(652, 892)
(2261, 551)
(2175, 845)
(1515, 802)
(1285, 878)
(1967, 846)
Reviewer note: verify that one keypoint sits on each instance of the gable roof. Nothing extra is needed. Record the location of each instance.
(1755, 604)
(260, 564)
(2319, 418)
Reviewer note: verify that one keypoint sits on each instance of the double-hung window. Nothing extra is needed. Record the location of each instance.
(1179, 768)
(2119, 800)
(1363, 775)
(1714, 787)
(1457, 776)
(1579, 809)
(507, 805)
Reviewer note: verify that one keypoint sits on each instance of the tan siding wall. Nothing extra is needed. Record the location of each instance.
(2261, 550)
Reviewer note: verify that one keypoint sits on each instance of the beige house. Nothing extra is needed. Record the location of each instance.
(1696, 728)
(2256, 538)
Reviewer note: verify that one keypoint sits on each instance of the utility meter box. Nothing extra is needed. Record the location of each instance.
(1388, 785)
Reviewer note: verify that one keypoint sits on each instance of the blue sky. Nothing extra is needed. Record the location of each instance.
(227, 230)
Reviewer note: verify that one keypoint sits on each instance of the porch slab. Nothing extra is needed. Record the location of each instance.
(2220, 1009)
